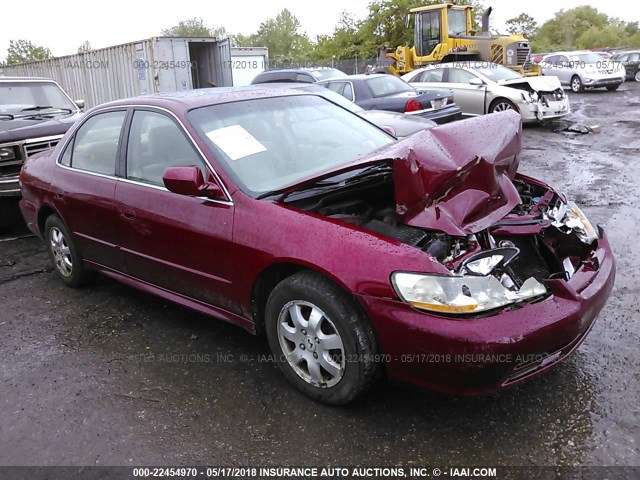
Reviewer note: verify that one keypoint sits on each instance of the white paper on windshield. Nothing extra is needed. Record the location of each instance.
(236, 142)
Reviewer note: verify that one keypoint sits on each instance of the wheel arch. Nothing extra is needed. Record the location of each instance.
(502, 98)
(271, 276)
(44, 212)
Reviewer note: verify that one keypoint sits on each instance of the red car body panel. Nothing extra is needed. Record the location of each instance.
(458, 179)
(208, 255)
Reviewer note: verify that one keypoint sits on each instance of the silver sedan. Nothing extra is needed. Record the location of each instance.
(483, 87)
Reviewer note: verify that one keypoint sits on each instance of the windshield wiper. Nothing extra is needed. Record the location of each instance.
(369, 171)
(8, 115)
(373, 170)
(37, 108)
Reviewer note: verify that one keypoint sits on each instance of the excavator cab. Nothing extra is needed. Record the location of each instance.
(434, 26)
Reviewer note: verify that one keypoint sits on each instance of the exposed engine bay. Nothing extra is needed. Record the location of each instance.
(542, 238)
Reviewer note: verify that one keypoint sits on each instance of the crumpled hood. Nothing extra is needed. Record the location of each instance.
(539, 84)
(457, 177)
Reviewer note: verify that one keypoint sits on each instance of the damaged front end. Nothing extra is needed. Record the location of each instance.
(453, 192)
(543, 98)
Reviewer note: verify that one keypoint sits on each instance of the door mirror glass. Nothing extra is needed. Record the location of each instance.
(476, 81)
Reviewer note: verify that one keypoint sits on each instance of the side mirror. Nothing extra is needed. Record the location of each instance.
(189, 181)
(476, 82)
(79, 103)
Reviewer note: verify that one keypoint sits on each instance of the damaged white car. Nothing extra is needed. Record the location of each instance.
(483, 87)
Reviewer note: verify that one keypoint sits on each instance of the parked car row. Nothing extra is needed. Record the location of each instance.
(374, 92)
(446, 92)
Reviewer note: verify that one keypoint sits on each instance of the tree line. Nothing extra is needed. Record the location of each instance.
(582, 27)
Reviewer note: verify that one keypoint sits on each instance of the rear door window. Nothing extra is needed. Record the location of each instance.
(433, 75)
(95, 144)
(457, 75)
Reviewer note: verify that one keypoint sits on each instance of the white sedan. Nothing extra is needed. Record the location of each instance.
(483, 87)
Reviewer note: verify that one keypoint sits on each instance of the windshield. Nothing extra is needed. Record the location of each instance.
(457, 22)
(498, 73)
(387, 85)
(18, 96)
(325, 73)
(585, 58)
(267, 144)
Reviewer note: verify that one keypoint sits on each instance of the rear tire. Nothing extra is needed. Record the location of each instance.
(320, 339)
(63, 253)
(637, 76)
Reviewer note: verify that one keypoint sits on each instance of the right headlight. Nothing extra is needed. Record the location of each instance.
(464, 294)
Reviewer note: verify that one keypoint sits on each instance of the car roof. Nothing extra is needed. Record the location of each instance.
(571, 52)
(359, 76)
(301, 69)
(187, 99)
(4, 78)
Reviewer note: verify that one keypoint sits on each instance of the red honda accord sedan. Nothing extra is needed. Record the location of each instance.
(429, 259)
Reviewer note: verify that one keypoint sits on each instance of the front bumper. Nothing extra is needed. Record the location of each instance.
(9, 187)
(596, 82)
(536, 112)
(476, 356)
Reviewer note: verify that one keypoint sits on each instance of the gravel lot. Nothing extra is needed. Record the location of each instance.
(78, 387)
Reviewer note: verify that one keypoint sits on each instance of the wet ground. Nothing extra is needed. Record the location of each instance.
(107, 375)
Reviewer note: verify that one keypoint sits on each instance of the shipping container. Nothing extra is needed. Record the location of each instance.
(247, 62)
(159, 64)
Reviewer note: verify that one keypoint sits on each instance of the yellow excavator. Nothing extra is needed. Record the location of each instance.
(444, 33)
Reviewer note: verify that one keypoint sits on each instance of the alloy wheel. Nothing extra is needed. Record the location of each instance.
(576, 84)
(311, 344)
(502, 107)
(61, 252)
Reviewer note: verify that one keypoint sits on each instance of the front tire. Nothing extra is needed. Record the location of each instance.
(576, 84)
(501, 105)
(637, 76)
(320, 339)
(64, 254)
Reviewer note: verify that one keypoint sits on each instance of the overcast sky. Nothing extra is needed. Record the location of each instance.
(64, 25)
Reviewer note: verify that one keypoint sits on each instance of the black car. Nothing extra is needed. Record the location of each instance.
(631, 62)
(34, 114)
(387, 92)
(300, 75)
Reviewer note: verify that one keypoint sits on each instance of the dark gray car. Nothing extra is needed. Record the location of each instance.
(387, 92)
